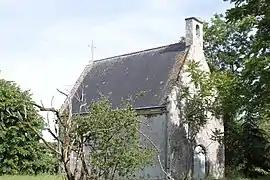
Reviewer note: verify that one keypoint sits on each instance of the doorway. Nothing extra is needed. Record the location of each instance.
(199, 163)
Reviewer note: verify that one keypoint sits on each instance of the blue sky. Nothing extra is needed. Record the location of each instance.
(44, 44)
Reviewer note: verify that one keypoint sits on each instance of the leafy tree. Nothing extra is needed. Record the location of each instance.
(20, 149)
(112, 137)
(224, 46)
(236, 56)
(101, 143)
(48, 162)
(260, 9)
(256, 68)
(227, 44)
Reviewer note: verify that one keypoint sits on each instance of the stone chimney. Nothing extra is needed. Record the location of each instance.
(194, 32)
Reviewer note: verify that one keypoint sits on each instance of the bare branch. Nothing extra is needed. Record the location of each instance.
(41, 137)
(65, 94)
(42, 108)
(158, 155)
(54, 135)
(76, 95)
(52, 101)
(82, 105)
(82, 95)
(78, 155)
(47, 118)
(24, 121)
(70, 147)
(41, 103)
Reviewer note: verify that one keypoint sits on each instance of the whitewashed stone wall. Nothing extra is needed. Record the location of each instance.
(214, 151)
(178, 146)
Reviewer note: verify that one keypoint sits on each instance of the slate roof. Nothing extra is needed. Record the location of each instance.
(127, 75)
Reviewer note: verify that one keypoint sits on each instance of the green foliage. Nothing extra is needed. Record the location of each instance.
(195, 102)
(225, 43)
(239, 60)
(47, 161)
(260, 9)
(112, 137)
(20, 150)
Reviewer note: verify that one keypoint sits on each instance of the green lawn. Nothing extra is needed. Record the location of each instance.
(44, 177)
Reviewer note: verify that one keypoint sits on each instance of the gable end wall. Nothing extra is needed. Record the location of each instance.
(179, 150)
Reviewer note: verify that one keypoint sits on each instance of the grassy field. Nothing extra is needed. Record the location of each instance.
(44, 177)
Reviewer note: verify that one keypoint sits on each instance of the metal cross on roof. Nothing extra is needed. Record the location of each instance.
(92, 49)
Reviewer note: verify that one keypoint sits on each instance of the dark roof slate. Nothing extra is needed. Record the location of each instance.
(127, 75)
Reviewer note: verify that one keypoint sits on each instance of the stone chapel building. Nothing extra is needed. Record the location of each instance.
(159, 71)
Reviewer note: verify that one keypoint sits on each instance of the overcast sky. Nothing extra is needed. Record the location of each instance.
(44, 44)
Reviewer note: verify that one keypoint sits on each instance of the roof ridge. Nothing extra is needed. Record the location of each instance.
(137, 52)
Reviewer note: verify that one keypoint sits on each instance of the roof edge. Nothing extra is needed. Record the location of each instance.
(75, 87)
(175, 74)
(195, 18)
(136, 52)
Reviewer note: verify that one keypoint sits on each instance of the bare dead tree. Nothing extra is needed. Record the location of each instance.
(73, 143)
(67, 139)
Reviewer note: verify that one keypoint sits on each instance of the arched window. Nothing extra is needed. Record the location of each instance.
(197, 31)
(199, 163)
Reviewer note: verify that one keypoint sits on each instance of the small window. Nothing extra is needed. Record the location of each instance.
(197, 31)
(199, 163)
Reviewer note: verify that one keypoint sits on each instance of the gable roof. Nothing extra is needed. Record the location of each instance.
(127, 75)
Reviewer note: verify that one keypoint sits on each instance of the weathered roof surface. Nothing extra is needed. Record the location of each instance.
(127, 75)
